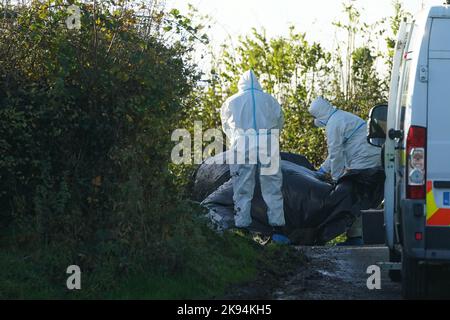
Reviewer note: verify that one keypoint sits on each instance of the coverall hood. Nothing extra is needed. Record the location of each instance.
(321, 110)
(249, 81)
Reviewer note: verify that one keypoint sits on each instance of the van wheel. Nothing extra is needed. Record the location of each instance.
(414, 284)
(395, 275)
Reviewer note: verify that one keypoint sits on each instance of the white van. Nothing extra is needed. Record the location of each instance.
(415, 131)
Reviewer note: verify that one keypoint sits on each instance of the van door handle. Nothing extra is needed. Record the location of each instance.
(395, 134)
(442, 184)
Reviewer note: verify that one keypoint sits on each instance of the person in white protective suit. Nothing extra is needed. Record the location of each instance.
(348, 149)
(251, 116)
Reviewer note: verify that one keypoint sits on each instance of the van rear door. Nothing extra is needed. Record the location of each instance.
(438, 143)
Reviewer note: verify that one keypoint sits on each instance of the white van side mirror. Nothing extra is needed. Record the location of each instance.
(377, 125)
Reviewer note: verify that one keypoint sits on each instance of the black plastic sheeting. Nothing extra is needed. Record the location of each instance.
(315, 211)
(209, 177)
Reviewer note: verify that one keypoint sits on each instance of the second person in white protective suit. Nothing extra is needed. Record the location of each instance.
(348, 148)
(252, 115)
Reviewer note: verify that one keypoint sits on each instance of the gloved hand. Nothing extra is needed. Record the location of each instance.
(333, 182)
(322, 170)
(325, 176)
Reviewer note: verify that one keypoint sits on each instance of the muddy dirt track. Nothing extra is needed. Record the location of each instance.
(335, 273)
(338, 273)
(323, 273)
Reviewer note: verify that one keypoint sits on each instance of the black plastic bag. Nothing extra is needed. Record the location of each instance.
(315, 211)
(209, 177)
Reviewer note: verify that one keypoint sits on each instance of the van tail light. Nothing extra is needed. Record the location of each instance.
(416, 166)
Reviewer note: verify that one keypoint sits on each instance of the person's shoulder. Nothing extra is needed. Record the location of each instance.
(336, 122)
(271, 98)
(351, 115)
(238, 95)
(225, 105)
(337, 116)
(232, 98)
(227, 101)
(342, 117)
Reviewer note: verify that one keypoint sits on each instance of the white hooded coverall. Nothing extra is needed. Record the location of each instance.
(348, 148)
(251, 108)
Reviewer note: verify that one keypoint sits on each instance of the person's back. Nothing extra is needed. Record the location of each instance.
(254, 113)
(239, 111)
(358, 153)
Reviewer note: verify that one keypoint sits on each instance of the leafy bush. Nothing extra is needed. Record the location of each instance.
(85, 123)
(296, 71)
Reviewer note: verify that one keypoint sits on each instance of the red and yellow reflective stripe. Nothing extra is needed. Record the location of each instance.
(436, 217)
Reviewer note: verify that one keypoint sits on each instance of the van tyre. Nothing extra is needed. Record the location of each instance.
(395, 275)
(414, 284)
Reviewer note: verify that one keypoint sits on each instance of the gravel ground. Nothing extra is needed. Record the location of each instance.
(337, 273)
(326, 273)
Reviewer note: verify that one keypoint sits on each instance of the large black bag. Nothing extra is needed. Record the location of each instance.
(209, 177)
(315, 211)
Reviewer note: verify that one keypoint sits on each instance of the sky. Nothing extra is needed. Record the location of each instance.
(315, 17)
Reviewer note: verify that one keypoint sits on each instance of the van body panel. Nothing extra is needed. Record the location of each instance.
(417, 96)
(390, 204)
(438, 140)
(438, 149)
(440, 35)
(439, 54)
(413, 221)
(437, 12)
(424, 100)
(439, 117)
(438, 238)
(413, 99)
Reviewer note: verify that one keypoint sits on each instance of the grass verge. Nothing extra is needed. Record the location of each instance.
(225, 261)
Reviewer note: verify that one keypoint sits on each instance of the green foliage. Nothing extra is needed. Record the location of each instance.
(295, 71)
(290, 68)
(86, 118)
